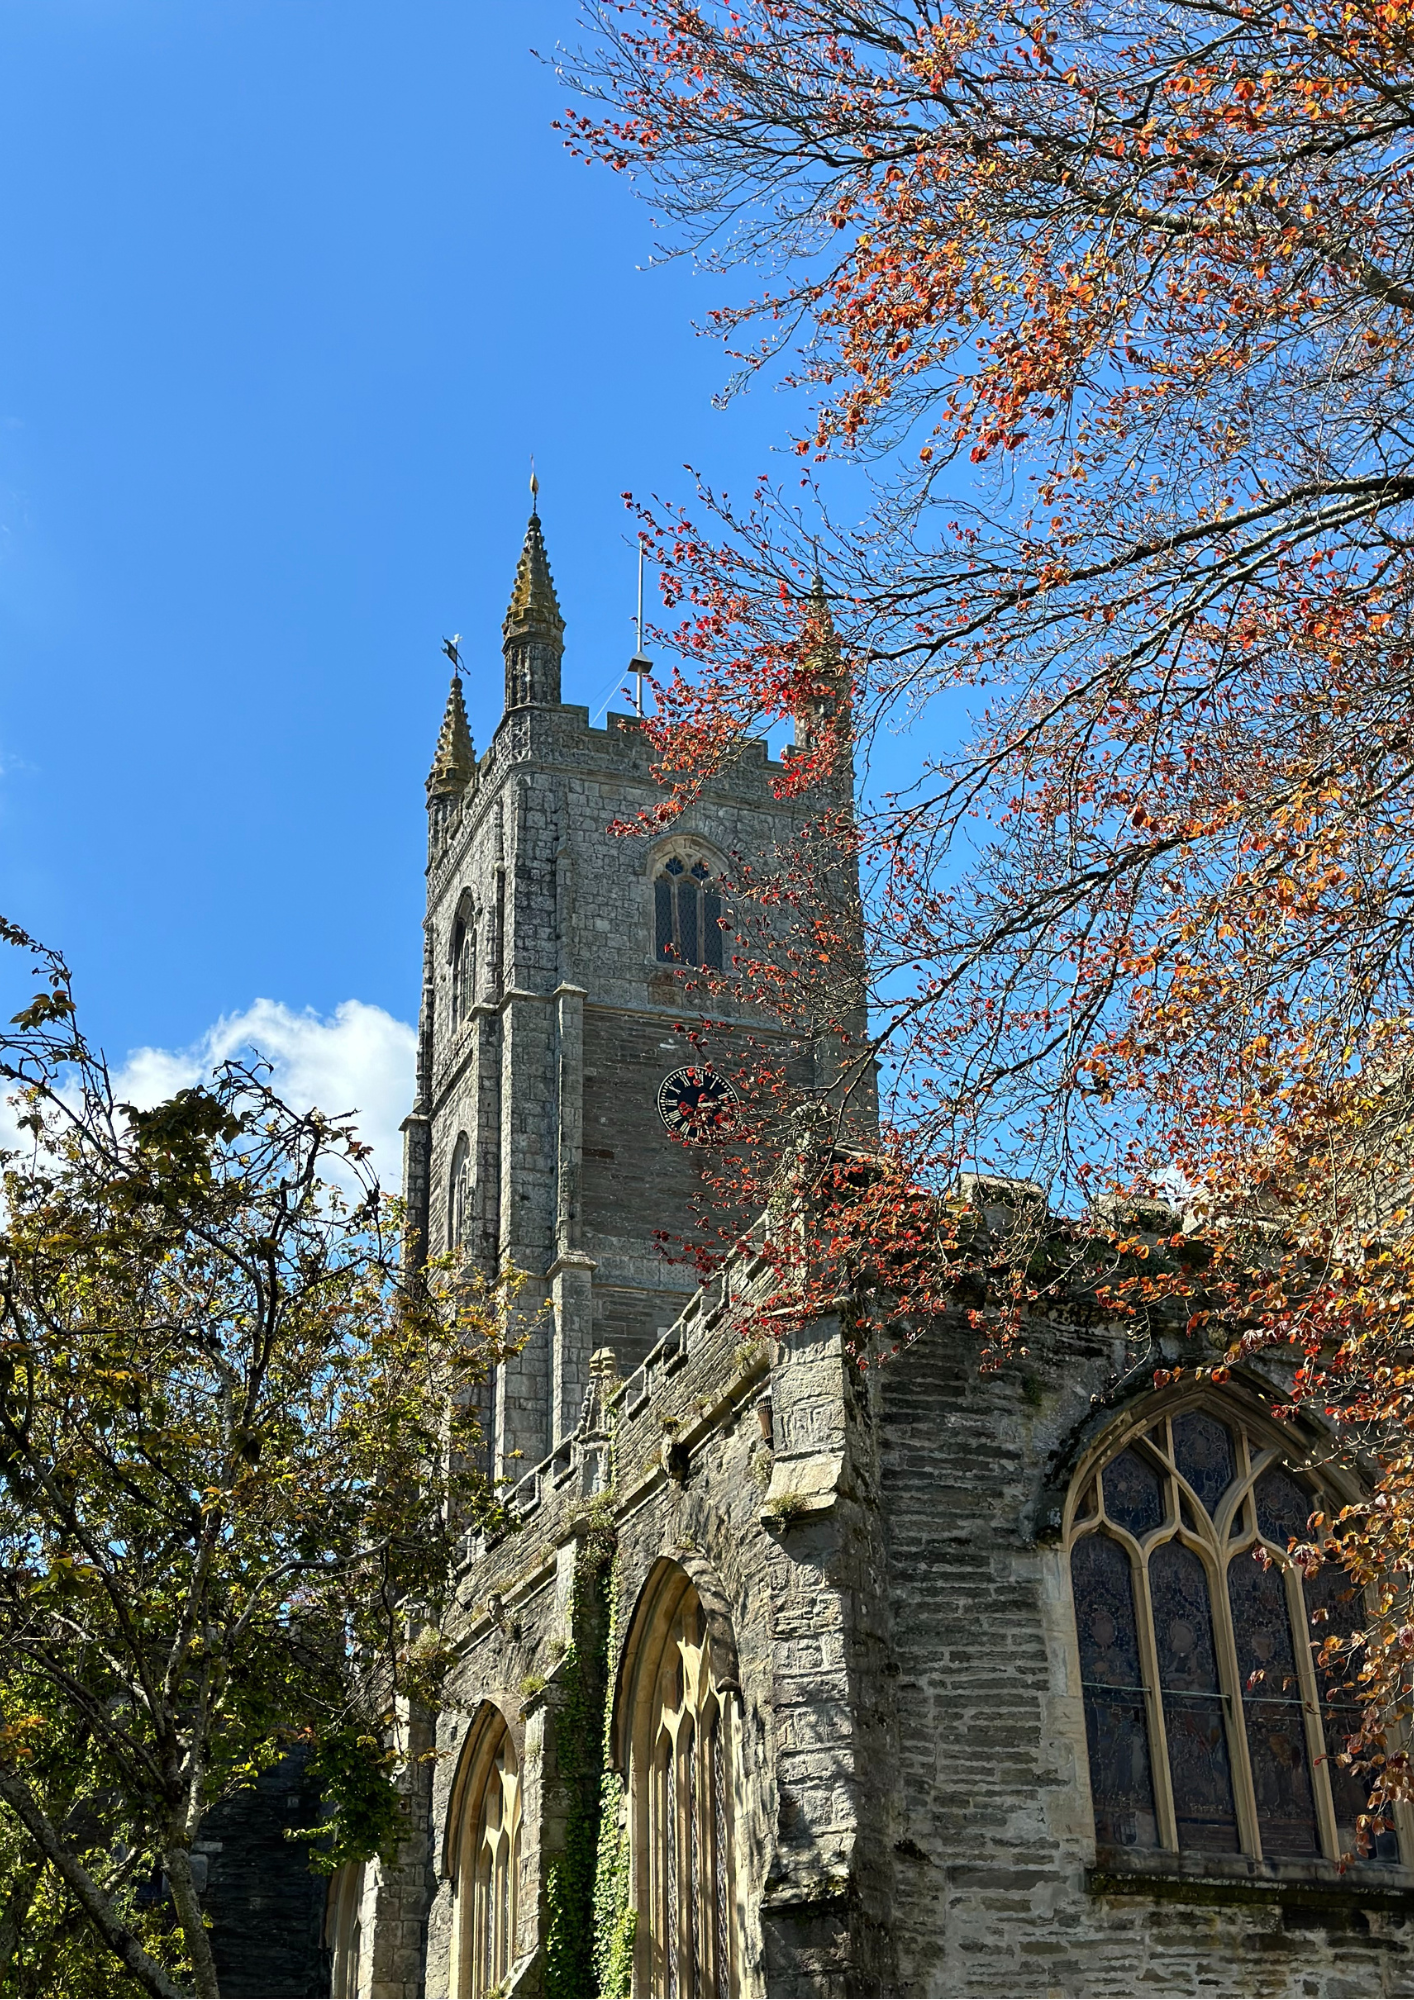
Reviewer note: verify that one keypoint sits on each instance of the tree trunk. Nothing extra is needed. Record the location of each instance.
(198, 1939)
(91, 1899)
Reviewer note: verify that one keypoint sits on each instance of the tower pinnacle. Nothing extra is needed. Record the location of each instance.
(822, 716)
(454, 761)
(534, 606)
(533, 629)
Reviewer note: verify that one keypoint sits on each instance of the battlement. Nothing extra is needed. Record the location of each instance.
(633, 1432)
(562, 741)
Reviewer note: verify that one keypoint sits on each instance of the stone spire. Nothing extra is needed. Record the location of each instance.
(454, 762)
(533, 630)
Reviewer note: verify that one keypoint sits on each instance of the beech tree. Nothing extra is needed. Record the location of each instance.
(234, 1463)
(1119, 306)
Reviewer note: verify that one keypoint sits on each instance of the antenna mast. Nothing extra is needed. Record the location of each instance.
(638, 649)
(640, 665)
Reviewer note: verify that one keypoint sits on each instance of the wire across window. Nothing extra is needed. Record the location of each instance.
(687, 910)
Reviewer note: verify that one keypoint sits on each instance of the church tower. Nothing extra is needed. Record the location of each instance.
(543, 1134)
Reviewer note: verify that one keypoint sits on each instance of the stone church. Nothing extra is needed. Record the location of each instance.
(788, 1677)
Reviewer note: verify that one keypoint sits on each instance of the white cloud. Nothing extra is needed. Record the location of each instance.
(359, 1060)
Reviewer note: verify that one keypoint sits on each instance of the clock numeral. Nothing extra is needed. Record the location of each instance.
(696, 1104)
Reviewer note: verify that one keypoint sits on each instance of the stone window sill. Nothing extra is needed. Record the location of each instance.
(1317, 1889)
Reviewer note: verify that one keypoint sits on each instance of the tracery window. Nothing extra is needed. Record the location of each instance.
(1210, 1728)
(687, 914)
(683, 1759)
(484, 1858)
(459, 1195)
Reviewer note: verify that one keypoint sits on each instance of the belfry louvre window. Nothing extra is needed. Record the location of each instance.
(484, 1859)
(683, 1759)
(687, 915)
(1210, 1728)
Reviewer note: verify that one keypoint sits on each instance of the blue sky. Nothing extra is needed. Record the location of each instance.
(289, 292)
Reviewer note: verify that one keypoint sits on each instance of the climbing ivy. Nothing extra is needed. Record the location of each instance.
(615, 1919)
(579, 1725)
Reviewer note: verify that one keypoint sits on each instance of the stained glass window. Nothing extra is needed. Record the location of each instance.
(1194, 1717)
(687, 915)
(682, 1729)
(1114, 1694)
(485, 1859)
(1210, 1729)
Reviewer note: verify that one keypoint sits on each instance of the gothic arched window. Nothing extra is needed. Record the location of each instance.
(343, 1929)
(463, 957)
(1210, 1728)
(483, 1859)
(687, 914)
(681, 1717)
(459, 1195)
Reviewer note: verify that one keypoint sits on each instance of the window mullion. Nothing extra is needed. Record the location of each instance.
(1154, 1706)
(705, 1914)
(1311, 1714)
(1230, 1676)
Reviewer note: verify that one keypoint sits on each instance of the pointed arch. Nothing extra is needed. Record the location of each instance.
(677, 1743)
(481, 1856)
(459, 1195)
(1211, 1727)
(689, 916)
(343, 1929)
(461, 956)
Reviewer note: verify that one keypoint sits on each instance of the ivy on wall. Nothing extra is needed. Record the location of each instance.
(579, 1720)
(615, 1919)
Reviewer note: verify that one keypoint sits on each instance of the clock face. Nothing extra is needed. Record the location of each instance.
(696, 1104)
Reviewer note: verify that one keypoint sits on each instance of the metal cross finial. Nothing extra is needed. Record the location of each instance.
(534, 487)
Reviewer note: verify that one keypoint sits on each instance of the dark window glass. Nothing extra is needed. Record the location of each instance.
(1202, 1451)
(1194, 1711)
(1332, 1590)
(1116, 1724)
(459, 1195)
(663, 908)
(688, 895)
(1283, 1509)
(1271, 1698)
(687, 915)
(1134, 1497)
(712, 929)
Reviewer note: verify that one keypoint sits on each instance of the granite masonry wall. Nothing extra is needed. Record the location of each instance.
(998, 1887)
(914, 1814)
(548, 1068)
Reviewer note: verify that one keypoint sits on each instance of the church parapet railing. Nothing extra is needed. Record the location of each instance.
(581, 1464)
